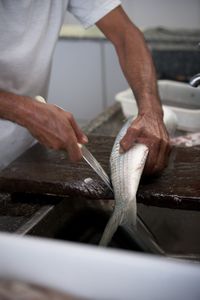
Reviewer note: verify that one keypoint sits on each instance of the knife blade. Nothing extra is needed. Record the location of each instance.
(95, 165)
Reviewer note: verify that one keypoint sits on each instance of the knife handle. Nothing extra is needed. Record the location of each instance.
(40, 99)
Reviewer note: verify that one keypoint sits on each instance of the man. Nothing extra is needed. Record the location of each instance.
(29, 31)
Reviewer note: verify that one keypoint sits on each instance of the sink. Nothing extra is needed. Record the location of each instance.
(177, 97)
(96, 273)
(184, 100)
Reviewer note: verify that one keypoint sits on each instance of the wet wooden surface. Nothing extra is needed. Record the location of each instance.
(45, 171)
(179, 184)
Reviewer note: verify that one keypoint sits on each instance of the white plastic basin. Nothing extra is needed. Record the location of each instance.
(179, 97)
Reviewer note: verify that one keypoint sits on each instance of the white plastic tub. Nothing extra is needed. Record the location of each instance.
(180, 98)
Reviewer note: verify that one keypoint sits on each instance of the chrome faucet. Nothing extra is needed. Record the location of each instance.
(195, 80)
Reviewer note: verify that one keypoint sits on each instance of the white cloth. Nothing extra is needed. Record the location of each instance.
(29, 30)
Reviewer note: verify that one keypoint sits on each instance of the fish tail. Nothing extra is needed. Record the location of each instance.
(126, 216)
(111, 227)
(131, 213)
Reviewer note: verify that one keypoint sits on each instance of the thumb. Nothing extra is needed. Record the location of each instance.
(129, 138)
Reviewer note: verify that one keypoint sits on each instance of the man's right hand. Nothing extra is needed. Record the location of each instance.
(57, 129)
(49, 124)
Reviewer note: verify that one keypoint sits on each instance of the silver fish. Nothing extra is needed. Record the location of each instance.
(126, 171)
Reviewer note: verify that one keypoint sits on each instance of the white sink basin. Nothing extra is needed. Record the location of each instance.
(179, 97)
(184, 100)
(96, 273)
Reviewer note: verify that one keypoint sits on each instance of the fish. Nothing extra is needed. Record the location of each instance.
(188, 140)
(126, 171)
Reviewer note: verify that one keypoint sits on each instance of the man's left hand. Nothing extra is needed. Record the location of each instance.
(150, 130)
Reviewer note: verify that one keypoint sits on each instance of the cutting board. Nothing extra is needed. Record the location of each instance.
(44, 171)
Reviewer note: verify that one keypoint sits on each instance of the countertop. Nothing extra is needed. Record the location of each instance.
(78, 32)
(158, 37)
(175, 51)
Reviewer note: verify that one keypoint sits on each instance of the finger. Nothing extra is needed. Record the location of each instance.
(163, 156)
(70, 143)
(80, 135)
(167, 155)
(74, 151)
(130, 137)
(151, 161)
(161, 161)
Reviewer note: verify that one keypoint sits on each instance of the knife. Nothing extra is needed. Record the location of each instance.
(95, 165)
(89, 157)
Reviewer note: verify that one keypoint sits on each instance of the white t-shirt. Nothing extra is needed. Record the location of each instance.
(29, 30)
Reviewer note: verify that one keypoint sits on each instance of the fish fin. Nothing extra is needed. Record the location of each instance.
(131, 213)
(115, 220)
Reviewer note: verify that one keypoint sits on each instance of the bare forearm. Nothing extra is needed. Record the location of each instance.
(15, 108)
(136, 62)
(49, 124)
(137, 65)
(134, 57)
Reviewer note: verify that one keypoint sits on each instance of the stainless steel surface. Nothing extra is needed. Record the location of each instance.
(37, 217)
(144, 238)
(91, 160)
(195, 80)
